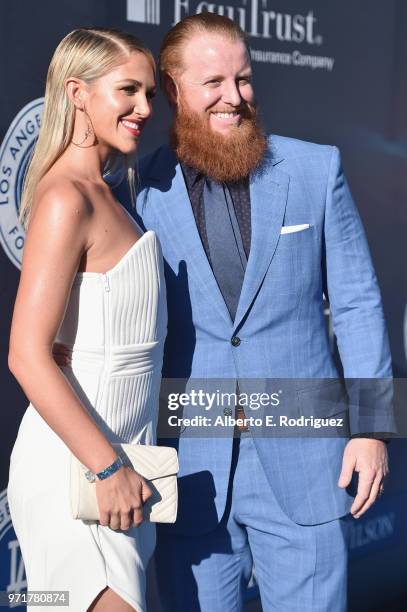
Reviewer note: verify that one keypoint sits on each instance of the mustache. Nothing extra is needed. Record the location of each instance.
(247, 110)
(243, 109)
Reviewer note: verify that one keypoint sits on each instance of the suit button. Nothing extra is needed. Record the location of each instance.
(227, 411)
(235, 341)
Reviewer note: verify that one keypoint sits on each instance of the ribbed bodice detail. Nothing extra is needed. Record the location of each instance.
(115, 325)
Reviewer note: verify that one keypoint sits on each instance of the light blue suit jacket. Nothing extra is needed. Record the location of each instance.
(279, 321)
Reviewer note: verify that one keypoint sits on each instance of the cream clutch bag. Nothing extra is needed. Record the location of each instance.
(157, 464)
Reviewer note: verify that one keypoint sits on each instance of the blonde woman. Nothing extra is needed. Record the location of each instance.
(92, 280)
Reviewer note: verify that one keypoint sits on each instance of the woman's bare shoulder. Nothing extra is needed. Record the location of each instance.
(61, 201)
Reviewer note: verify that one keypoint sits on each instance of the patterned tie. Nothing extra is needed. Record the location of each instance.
(228, 257)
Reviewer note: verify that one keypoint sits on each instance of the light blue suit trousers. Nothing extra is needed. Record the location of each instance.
(297, 568)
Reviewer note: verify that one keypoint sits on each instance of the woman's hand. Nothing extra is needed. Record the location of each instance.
(121, 497)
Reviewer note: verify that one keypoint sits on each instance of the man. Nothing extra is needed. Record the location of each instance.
(254, 231)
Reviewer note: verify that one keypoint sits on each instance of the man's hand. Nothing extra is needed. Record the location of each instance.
(61, 354)
(369, 458)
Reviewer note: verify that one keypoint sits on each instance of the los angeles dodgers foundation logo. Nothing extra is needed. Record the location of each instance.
(15, 153)
(13, 579)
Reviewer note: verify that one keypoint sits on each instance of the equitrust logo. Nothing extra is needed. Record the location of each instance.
(256, 17)
(15, 153)
(144, 11)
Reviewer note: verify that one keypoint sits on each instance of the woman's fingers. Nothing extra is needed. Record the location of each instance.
(146, 492)
(138, 503)
(126, 521)
(115, 520)
(104, 519)
(137, 516)
(128, 512)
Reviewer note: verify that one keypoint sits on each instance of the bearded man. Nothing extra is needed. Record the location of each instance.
(254, 232)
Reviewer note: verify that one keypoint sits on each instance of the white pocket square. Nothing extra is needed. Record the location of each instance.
(289, 229)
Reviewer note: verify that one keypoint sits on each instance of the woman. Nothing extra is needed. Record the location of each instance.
(92, 281)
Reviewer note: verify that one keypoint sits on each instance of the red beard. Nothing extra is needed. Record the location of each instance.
(225, 159)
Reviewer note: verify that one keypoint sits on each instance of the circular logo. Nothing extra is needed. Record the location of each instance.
(15, 153)
(13, 577)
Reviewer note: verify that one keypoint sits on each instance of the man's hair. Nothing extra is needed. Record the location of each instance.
(170, 60)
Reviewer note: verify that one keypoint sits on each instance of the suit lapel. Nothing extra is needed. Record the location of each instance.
(182, 232)
(268, 199)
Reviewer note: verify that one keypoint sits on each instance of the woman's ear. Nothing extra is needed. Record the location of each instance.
(170, 89)
(75, 89)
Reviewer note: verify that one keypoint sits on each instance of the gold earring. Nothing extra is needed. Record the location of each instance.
(88, 131)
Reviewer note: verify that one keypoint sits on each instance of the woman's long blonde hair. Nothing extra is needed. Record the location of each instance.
(87, 54)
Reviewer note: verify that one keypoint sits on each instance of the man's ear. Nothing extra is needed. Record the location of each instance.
(75, 89)
(170, 89)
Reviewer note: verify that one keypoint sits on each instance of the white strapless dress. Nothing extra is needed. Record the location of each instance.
(115, 324)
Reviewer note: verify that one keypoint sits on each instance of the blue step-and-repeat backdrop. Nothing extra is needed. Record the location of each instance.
(329, 71)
